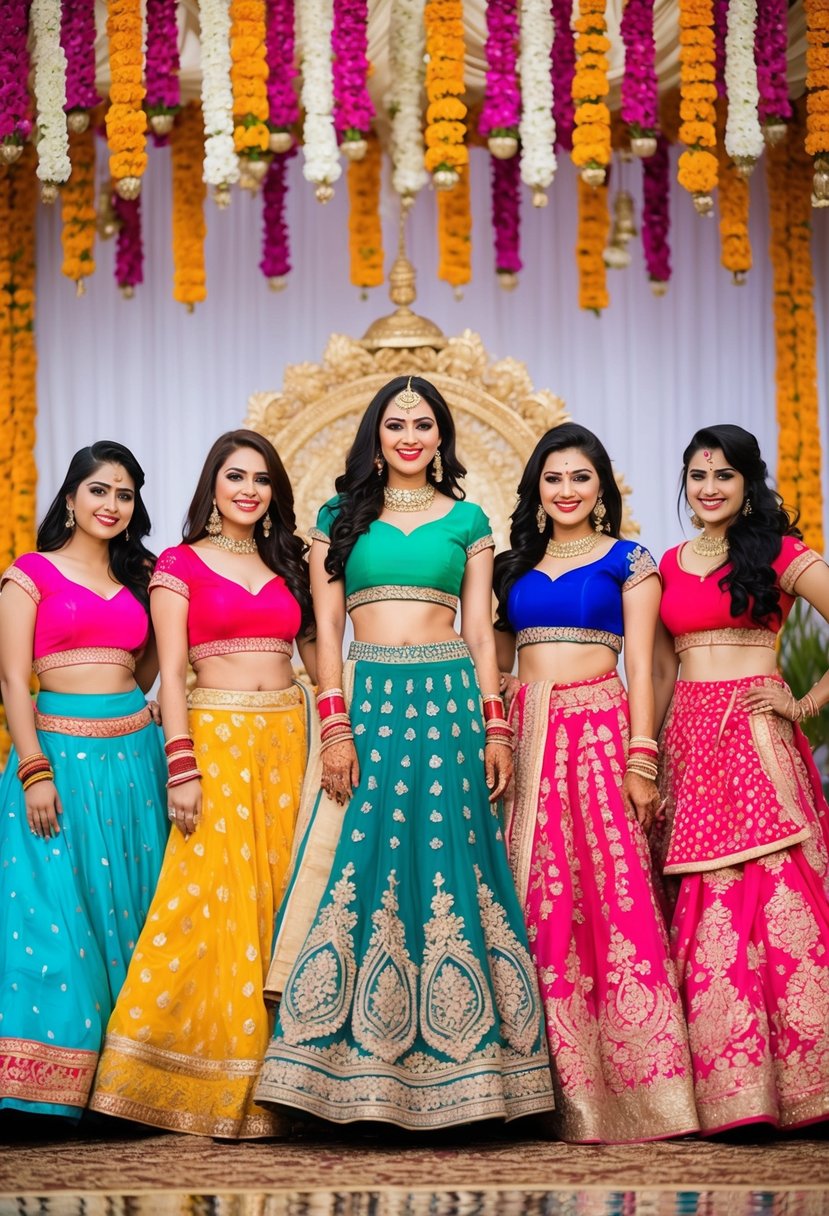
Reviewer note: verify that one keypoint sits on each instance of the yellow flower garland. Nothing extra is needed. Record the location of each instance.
(189, 228)
(249, 76)
(591, 133)
(445, 127)
(455, 232)
(78, 209)
(6, 369)
(365, 231)
(126, 122)
(789, 172)
(733, 193)
(594, 225)
(817, 76)
(698, 93)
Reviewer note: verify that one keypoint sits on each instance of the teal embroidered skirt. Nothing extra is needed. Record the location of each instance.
(413, 998)
(73, 905)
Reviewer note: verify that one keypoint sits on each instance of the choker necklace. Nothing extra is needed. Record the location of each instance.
(572, 548)
(710, 546)
(248, 545)
(408, 500)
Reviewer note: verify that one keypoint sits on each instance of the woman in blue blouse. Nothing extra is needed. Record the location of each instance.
(569, 591)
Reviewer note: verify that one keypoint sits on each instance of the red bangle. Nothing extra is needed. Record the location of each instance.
(494, 711)
(181, 764)
(334, 704)
(182, 744)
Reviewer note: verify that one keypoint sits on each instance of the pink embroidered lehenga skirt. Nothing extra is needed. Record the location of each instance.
(617, 1036)
(747, 839)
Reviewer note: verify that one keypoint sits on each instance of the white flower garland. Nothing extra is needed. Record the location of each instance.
(53, 164)
(537, 128)
(407, 40)
(319, 136)
(221, 164)
(743, 133)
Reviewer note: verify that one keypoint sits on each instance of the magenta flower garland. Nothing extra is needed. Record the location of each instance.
(276, 251)
(501, 111)
(720, 30)
(77, 37)
(15, 124)
(163, 97)
(640, 100)
(563, 68)
(353, 108)
(129, 247)
(656, 215)
(506, 214)
(770, 40)
(283, 107)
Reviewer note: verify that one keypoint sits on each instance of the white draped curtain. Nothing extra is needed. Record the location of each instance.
(644, 375)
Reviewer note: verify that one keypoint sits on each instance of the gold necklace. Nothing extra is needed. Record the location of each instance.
(408, 500)
(710, 546)
(248, 545)
(572, 548)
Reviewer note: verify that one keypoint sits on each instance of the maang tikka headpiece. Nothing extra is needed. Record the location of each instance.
(407, 398)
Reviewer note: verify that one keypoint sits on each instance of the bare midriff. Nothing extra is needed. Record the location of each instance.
(101, 678)
(403, 623)
(246, 671)
(723, 662)
(564, 662)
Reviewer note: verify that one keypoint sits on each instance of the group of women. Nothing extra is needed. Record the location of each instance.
(441, 895)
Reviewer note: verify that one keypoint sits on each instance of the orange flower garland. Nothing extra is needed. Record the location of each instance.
(594, 225)
(365, 230)
(733, 193)
(446, 152)
(817, 95)
(6, 369)
(698, 92)
(189, 227)
(591, 133)
(126, 122)
(249, 77)
(455, 233)
(78, 209)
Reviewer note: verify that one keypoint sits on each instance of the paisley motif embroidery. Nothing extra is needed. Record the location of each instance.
(516, 994)
(385, 1002)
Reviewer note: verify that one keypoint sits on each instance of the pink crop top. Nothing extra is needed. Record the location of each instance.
(223, 617)
(75, 625)
(697, 612)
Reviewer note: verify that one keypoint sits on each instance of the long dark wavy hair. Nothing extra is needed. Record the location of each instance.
(360, 488)
(283, 551)
(754, 540)
(130, 561)
(527, 544)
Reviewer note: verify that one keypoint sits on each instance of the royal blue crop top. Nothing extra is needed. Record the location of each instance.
(584, 604)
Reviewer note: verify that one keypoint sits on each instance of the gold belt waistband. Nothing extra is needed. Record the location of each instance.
(209, 650)
(568, 633)
(94, 728)
(399, 591)
(230, 698)
(85, 654)
(425, 652)
(725, 637)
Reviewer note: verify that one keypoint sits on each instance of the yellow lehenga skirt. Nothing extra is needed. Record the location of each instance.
(187, 1036)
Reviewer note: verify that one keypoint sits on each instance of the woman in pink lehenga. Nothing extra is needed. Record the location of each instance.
(746, 816)
(584, 794)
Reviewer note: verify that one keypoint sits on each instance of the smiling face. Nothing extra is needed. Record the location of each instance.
(104, 502)
(243, 491)
(714, 489)
(568, 489)
(408, 442)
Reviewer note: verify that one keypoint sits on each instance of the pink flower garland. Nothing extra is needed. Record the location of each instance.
(770, 40)
(15, 124)
(283, 107)
(129, 249)
(720, 30)
(276, 251)
(77, 37)
(162, 62)
(353, 108)
(656, 216)
(640, 100)
(501, 110)
(563, 68)
(506, 213)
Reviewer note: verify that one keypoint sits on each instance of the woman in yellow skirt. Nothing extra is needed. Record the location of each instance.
(186, 1039)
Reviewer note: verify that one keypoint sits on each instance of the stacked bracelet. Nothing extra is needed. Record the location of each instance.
(496, 726)
(806, 707)
(642, 757)
(181, 761)
(34, 768)
(335, 723)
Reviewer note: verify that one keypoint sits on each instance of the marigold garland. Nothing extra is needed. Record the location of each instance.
(77, 37)
(189, 228)
(656, 215)
(126, 122)
(698, 92)
(275, 263)
(455, 232)
(445, 126)
(249, 76)
(162, 67)
(591, 134)
(365, 231)
(733, 195)
(817, 76)
(78, 210)
(594, 225)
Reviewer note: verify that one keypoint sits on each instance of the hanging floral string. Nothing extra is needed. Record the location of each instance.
(15, 124)
(23, 469)
(698, 92)
(189, 228)
(365, 231)
(563, 69)
(49, 63)
(640, 99)
(406, 49)
(353, 108)
(126, 122)
(537, 127)
(720, 13)
(446, 151)
(319, 138)
(506, 219)
(162, 67)
(455, 234)
(770, 42)
(276, 251)
(656, 216)
(6, 390)
(501, 110)
(733, 195)
(78, 210)
(817, 96)
(593, 227)
(248, 76)
(129, 245)
(283, 109)
(743, 136)
(591, 136)
(221, 164)
(77, 35)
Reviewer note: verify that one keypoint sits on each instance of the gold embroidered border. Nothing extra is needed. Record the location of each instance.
(429, 652)
(250, 1127)
(477, 546)
(38, 1072)
(222, 698)
(733, 859)
(641, 566)
(179, 1063)
(85, 654)
(521, 803)
(13, 574)
(210, 650)
(568, 633)
(725, 637)
(654, 1111)
(400, 591)
(318, 534)
(94, 728)
(170, 583)
(794, 570)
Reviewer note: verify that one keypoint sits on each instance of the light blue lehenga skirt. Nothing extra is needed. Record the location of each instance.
(411, 998)
(73, 905)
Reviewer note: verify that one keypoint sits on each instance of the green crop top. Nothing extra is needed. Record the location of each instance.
(425, 564)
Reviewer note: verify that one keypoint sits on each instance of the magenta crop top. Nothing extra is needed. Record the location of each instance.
(75, 625)
(697, 613)
(223, 617)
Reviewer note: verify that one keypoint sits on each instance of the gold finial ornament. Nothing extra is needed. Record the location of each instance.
(408, 398)
(403, 329)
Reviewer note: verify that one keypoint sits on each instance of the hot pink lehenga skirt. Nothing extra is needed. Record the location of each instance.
(617, 1036)
(750, 937)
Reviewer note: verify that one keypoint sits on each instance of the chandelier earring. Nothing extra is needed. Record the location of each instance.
(541, 518)
(599, 515)
(267, 524)
(214, 523)
(70, 517)
(438, 466)
(696, 522)
(747, 507)
(379, 464)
